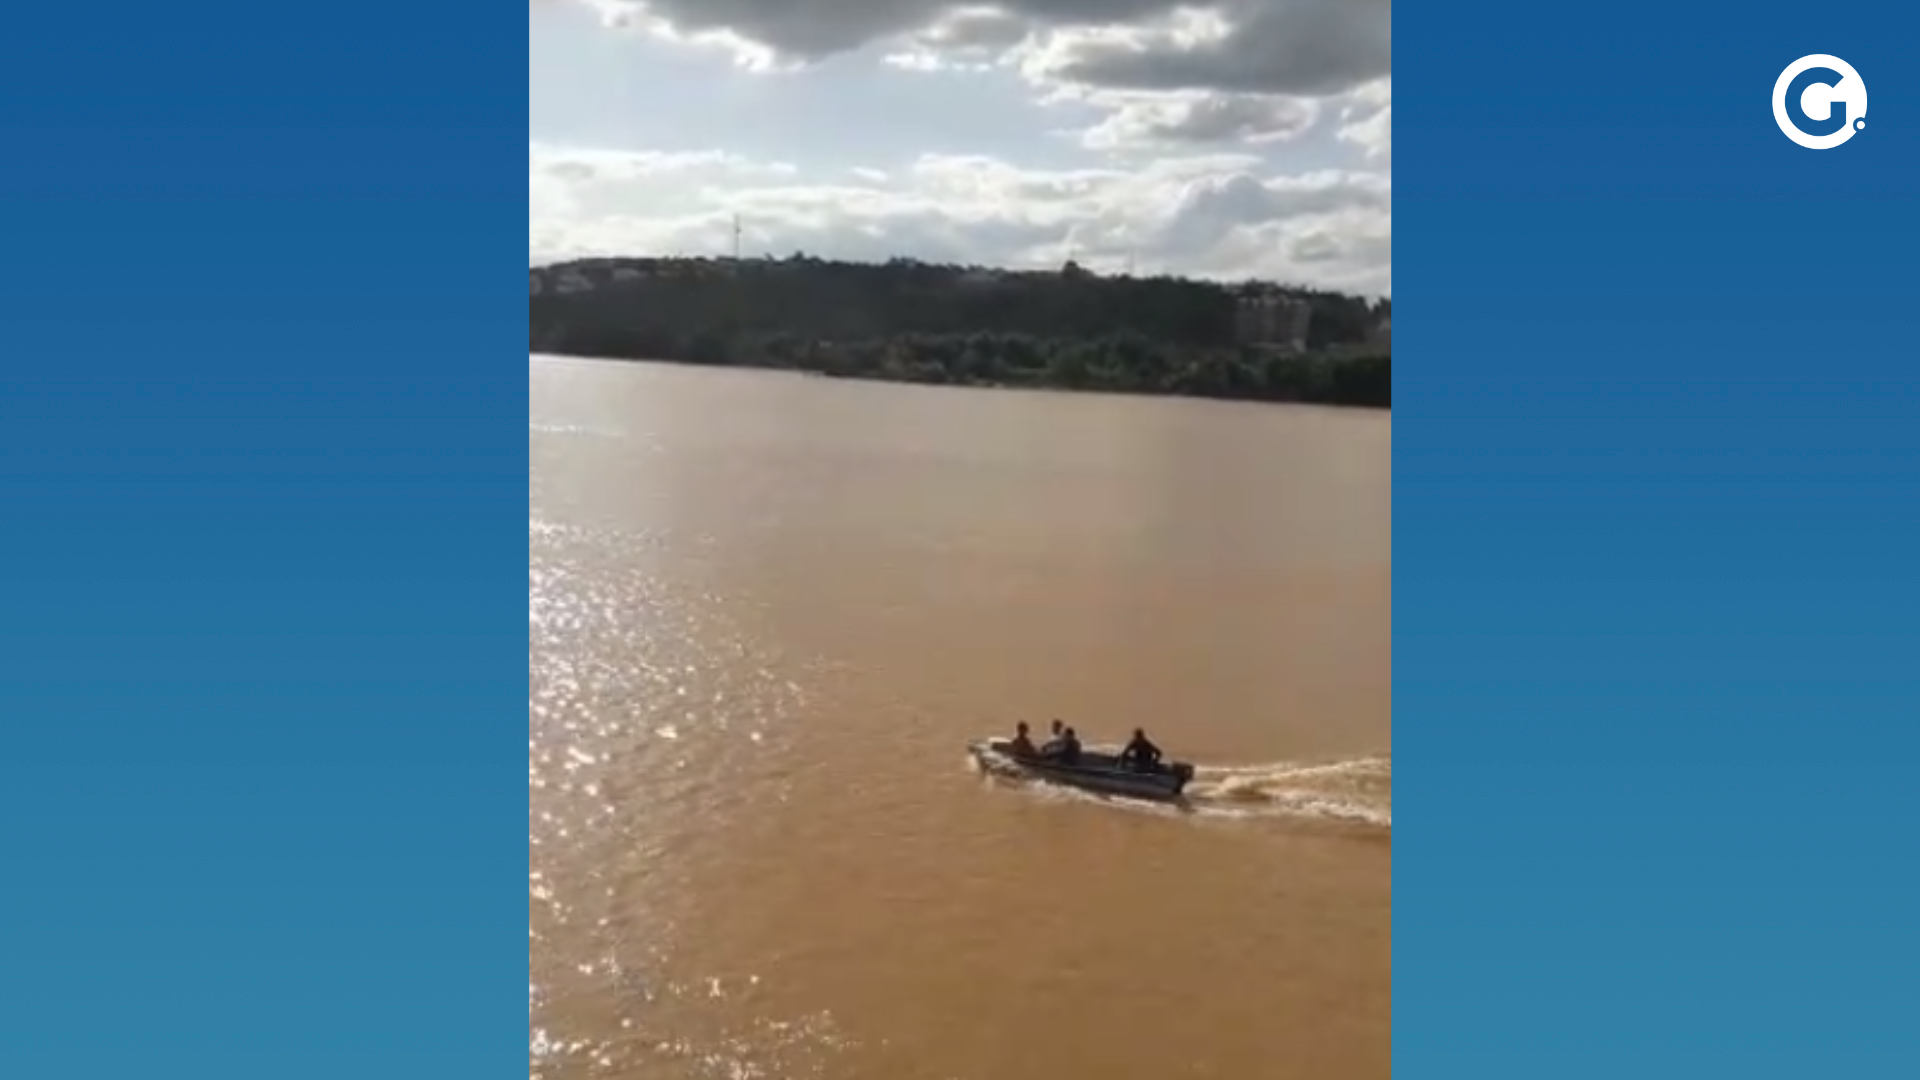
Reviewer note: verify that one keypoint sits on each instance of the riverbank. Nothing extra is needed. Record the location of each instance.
(1118, 365)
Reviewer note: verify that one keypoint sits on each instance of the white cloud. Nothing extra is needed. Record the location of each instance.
(975, 38)
(1221, 215)
(1153, 121)
(1367, 119)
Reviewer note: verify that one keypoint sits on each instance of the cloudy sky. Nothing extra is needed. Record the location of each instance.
(1240, 138)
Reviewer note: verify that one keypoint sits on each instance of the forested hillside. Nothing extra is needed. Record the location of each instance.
(914, 322)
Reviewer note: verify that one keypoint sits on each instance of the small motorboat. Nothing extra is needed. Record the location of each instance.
(1094, 771)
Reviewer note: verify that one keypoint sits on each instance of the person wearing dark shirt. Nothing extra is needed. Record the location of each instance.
(1053, 745)
(1069, 747)
(1140, 753)
(1021, 745)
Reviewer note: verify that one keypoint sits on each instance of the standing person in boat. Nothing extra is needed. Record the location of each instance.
(1021, 745)
(1141, 755)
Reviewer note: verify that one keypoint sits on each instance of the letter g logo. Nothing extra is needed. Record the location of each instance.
(1820, 101)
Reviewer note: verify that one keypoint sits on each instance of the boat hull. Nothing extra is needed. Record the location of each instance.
(1096, 772)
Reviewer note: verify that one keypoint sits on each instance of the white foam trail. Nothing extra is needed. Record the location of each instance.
(539, 428)
(1354, 790)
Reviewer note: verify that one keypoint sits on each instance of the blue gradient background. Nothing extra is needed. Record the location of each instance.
(1656, 510)
(262, 475)
(261, 468)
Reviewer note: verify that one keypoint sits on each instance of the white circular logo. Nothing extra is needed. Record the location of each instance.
(1820, 101)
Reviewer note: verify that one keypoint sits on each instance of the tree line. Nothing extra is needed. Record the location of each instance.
(913, 322)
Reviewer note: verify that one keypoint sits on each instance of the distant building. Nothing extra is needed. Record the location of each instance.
(1273, 319)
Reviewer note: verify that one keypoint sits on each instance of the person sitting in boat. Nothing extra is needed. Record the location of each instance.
(1141, 755)
(1051, 749)
(1020, 745)
(1065, 749)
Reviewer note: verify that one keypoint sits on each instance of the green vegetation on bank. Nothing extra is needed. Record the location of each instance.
(912, 322)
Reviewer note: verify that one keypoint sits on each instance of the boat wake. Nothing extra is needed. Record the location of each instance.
(1357, 791)
(1344, 791)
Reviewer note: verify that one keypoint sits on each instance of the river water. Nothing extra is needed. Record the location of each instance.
(765, 614)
